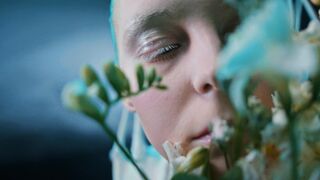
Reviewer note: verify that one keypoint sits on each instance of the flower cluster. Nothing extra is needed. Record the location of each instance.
(90, 97)
(283, 142)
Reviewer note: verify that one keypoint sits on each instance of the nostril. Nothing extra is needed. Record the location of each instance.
(204, 83)
(207, 87)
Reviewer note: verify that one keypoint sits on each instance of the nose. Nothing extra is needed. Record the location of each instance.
(204, 82)
(204, 50)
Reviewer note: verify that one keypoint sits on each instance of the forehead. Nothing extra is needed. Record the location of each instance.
(145, 6)
(127, 9)
(128, 12)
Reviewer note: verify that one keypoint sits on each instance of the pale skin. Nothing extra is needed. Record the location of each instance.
(182, 40)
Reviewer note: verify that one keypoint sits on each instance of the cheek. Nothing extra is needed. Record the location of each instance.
(157, 114)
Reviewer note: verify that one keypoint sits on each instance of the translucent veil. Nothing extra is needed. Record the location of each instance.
(112, 30)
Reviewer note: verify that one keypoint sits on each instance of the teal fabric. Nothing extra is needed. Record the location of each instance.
(113, 35)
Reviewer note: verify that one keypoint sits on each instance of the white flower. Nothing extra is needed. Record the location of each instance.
(276, 100)
(221, 131)
(174, 154)
(253, 166)
(193, 162)
(279, 118)
(311, 33)
(300, 93)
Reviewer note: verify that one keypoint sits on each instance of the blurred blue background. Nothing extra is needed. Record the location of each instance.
(43, 44)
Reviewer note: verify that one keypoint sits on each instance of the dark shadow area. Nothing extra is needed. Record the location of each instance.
(43, 45)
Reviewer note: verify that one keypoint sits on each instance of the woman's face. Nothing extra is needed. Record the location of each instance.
(181, 39)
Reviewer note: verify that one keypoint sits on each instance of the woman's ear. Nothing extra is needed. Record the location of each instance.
(129, 105)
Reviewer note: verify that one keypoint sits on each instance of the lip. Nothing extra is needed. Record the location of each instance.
(202, 139)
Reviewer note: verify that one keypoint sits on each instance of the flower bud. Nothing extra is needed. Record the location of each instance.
(98, 90)
(89, 75)
(117, 79)
(316, 2)
(195, 158)
(140, 76)
(74, 97)
(279, 118)
(152, 76)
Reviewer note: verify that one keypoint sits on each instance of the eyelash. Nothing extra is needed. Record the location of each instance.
(163, 53)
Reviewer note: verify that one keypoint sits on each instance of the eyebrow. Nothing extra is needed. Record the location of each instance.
(157, 19)
(173, 12)
(142, 23)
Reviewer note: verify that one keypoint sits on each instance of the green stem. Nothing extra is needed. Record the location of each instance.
(292, 136)
(225, 154)
(226, 159)
(294, 149)
(114, 138)
(124, 150)
(238, 140)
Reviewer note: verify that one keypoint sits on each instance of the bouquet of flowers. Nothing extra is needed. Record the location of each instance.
(260, 143)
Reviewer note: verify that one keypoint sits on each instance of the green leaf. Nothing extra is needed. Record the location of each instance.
(140, 76)
(98, 90)
(117, 79)
(89, 75)
(152, 77)
(185, 176)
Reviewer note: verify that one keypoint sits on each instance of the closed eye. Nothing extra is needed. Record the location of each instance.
(162, 53)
